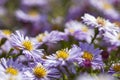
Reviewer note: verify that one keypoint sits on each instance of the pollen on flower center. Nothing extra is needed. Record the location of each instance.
(118, 36)
(116, 67)
(33, 13)
(40, 71)
(62, 54)
(6, 32)
(40, 37)
(84, 29)
(88, 56)
(107, 6)
(28, 45)
(100, 21)
(71, 30)
(12, 71)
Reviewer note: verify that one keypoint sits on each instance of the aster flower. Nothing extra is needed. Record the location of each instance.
(5, 33)
(40, 38)
(79, 31)
(64, 55)
(10, 69)
(64, 58)
(90, 57)
(32, 16)
(100, 23)
(41, 72)
(112, 37)
(115, 68)
(106, 7)
(20, 42)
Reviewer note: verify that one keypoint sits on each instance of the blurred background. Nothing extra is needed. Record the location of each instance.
(37, 16)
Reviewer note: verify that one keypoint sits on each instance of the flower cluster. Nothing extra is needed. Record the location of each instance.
(73, 41)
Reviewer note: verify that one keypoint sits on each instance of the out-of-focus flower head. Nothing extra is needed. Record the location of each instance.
(106, 7)
(112, 37)
(115, 68)
(34, 2)
(10, 69)
(55, 36)
(5, 33)
(79, 31)
(96, 77)
(29, 16)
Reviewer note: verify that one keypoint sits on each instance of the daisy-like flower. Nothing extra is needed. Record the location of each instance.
(112, 37)
(106, 7)
(32, 15)
(90, 57)
(99, 23)
(115, 68)
(20, 42)
(10, 70)
(41, 72)
(41, 37)
(79, 31)
(5, 33)
(64, 55)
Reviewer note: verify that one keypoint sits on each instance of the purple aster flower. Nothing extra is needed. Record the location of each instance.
(29, 47)
(64, 55)
(55, 36)
(28, 16)
(79, 31)
(112, 37)
(11, 69)
(90, 57)
(106, 8)
(5, 33)
(100, 23)
(64, 58)
(41, 72)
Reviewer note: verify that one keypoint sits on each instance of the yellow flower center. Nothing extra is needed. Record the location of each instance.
(107, 6)
(116, 67)
(40, 37)
(88, 56)
(101, 21)
(28, 45)
(84, 29)
(6, 32)
(62, 54)
(12, 71)
(118, 36)
(33, 13)
(40, 71)
(71, 30)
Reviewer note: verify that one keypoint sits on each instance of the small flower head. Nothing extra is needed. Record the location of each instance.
(29, 47)
(41, 72)
(90, 57)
